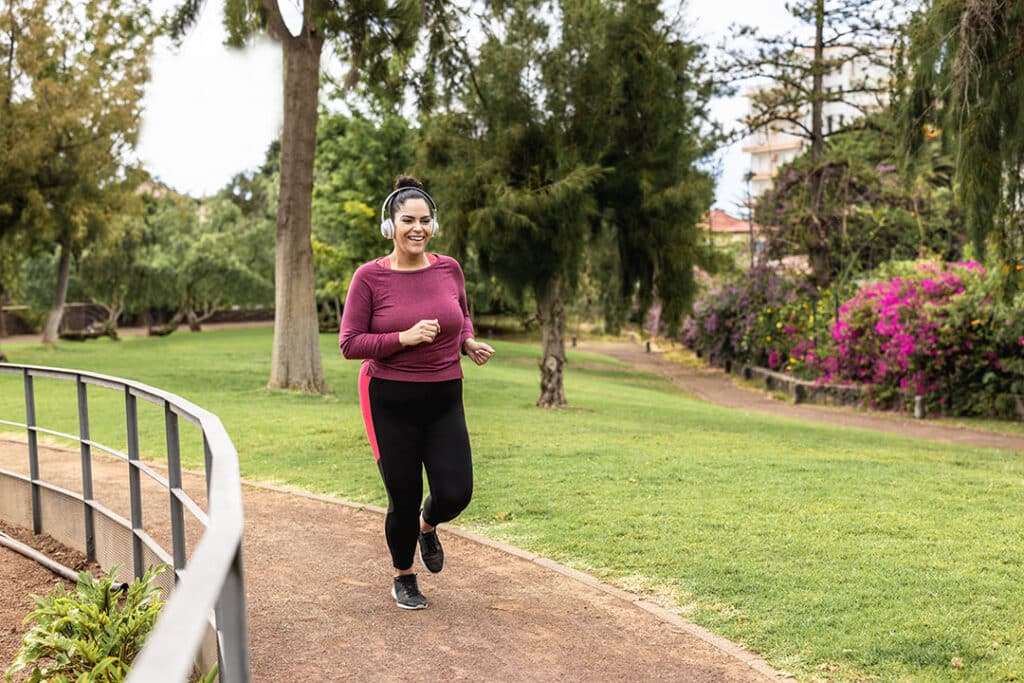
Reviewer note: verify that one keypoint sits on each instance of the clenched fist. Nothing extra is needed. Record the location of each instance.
(478, 352)
(423, 332)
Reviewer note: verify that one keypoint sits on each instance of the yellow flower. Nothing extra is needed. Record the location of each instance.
(768, 310)
(811, 320)
(975, 322)
(768, 338)
(778, 325)
(1020, 267)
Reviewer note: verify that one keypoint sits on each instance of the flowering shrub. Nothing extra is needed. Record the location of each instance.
(756, 318)
(939, 330)
(903, 335)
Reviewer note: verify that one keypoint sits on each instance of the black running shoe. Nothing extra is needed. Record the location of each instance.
(431, 552)
(406, 593)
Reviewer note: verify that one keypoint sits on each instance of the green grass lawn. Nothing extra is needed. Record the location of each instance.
(837, 554)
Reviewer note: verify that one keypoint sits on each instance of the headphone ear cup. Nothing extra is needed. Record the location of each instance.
(387, 228)
(435, 228)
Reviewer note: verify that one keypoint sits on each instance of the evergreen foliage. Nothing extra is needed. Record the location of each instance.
(357, 159)
(572, 145)
(965, 77)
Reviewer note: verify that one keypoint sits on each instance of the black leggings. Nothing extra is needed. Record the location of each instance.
(414, 426)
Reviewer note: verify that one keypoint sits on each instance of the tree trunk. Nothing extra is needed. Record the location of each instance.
(817, 244)
(52, 328)
(551, 309)
(167, 328)
(109, 325)
(295, 362)
(3, 318)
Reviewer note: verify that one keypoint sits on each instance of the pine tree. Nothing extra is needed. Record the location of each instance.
(575, 125)
(841, 34)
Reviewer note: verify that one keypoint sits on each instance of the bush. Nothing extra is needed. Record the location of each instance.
(90, 634)
(946, 331)
(756, 318)
(938, 332)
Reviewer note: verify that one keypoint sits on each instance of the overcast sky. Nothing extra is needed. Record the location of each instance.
(210, 112)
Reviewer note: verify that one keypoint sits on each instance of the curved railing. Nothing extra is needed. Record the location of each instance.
(204, 618)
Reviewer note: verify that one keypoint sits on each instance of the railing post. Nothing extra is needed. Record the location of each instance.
(86, 451)
(134, 480)
(174, 484)
(208, 464)
(33, 453)
(232, 626)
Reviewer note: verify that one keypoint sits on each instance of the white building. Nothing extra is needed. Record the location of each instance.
(772, 146)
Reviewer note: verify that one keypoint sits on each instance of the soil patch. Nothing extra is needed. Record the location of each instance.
(21, 578)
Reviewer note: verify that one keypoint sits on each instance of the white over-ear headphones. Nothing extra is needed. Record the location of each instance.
(387, 226)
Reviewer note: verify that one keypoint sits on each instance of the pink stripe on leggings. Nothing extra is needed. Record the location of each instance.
(364, 404)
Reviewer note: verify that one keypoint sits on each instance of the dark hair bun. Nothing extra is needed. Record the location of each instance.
(404, 181)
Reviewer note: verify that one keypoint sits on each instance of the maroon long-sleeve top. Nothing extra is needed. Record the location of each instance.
(382, 302)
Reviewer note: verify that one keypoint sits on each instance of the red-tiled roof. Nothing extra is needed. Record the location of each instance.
(722, 222)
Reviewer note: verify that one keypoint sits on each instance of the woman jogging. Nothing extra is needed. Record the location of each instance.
(406, 315)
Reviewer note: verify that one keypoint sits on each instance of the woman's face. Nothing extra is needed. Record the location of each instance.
(413, 225)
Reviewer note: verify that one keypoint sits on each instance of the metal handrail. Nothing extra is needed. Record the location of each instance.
(213, 577)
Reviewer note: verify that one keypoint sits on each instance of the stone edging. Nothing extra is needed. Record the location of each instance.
(728, 647)
(800, 390)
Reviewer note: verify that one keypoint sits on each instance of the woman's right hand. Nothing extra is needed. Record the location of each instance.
(425, 331)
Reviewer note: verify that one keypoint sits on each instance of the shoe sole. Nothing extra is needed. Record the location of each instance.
(395, 596)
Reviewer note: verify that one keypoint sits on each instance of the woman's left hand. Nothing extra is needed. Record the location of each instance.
(478, 352)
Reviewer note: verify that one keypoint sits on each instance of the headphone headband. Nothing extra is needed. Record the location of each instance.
(387, 201)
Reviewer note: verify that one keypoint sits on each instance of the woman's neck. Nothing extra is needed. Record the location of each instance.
(408, 262)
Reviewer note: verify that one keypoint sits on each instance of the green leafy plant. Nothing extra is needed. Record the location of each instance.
(92, 633)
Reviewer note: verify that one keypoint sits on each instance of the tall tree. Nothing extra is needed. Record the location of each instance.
(871, 213)
(655, 135)
(369, 35)
(965, 69)
(836, 35)
(574, 119)
(71, 91)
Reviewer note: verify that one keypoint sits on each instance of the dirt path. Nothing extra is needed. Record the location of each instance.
(712, 384)
(317, 581)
